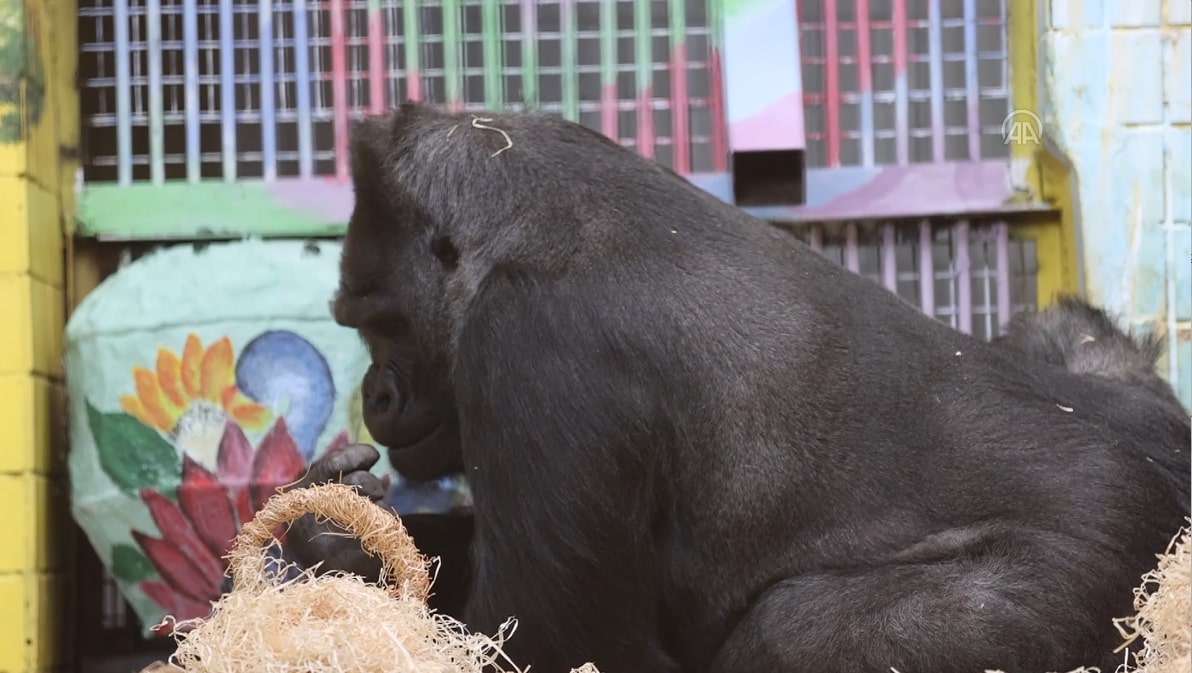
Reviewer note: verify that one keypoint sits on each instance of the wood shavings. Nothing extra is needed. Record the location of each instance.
(335, 623)
(1163, 603)
(480, 123)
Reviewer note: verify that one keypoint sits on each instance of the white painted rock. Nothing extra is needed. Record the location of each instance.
(200, 381)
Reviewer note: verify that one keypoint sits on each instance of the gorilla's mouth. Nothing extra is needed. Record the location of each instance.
(408, 438)
(432, 456)
(415, 421)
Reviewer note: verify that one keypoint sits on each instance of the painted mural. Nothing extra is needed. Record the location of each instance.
(192, 402)
(20, 62)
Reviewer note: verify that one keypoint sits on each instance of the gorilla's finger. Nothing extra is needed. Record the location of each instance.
(367, 484)
(312, 543)
(333, 466)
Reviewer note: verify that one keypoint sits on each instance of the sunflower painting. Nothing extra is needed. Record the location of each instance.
(181, 445)
(200, 379)
(188, 397)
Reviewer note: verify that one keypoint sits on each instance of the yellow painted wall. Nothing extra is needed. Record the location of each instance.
(36, 206)
(1040, 175)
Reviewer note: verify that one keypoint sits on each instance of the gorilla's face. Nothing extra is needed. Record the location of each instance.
(409, 412)
(390, 265)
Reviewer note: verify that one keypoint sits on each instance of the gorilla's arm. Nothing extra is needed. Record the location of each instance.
(563, 507)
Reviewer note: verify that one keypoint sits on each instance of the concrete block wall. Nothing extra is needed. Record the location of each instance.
(1116, 95)
(38, 138)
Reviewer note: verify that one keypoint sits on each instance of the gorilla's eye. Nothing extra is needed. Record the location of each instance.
(445, 251)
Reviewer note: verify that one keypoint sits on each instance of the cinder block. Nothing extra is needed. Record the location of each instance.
(1183, 353)
(38, 530)
(1180, 240)
(1179, 12)
(1076, 15)
(1179, 173)
(31, 337)
(33, 621)
(1148, 287)
(18, 429)
(1177, 74)
(41, 132)
(1135, 183)
(33, 426)
(15, 635)
(14, 224)
(41, 137)
(15, 497)
(1135, 13)
(49, 619)
(50, 426)
(13, 152)
(45, 243)
(16, 332)
(51, 523)
(1136, 82)
(31, 238)
(48, 305)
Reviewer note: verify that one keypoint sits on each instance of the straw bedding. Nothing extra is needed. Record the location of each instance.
(337, 623)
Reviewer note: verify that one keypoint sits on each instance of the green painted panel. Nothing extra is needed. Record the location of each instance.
(214, 210)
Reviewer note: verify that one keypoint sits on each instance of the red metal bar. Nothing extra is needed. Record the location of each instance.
(339, 87)
(716, 105)
(680, 114)
(832, 82)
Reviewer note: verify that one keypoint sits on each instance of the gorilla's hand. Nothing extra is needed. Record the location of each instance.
(310, 542)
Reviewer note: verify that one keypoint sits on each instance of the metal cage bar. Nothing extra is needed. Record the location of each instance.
(233, 90)
(983, 272)
(893, 82)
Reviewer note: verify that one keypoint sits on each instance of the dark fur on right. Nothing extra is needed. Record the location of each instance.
(698, 446)
(1083, 339)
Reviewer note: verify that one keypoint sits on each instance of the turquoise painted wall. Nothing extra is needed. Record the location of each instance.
(1117, 98)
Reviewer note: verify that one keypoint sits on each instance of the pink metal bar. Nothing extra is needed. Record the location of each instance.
(926, 268)
(377, 78)
(889, 258)
(1001, 232)
(339, 87)
(964, 281)
(852, 250)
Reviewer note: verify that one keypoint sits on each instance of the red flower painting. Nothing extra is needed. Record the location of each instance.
(209, 510)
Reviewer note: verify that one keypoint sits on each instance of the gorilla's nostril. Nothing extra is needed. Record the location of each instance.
(379, 403)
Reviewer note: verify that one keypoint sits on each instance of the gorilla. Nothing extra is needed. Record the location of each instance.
(1083, 339)
(696, 445)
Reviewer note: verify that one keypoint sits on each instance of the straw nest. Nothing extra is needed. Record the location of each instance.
(338, 623)
(334, 623)
(1164, 605)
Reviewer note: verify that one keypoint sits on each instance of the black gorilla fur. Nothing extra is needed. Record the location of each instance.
(1083, 339)
(697, 445)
